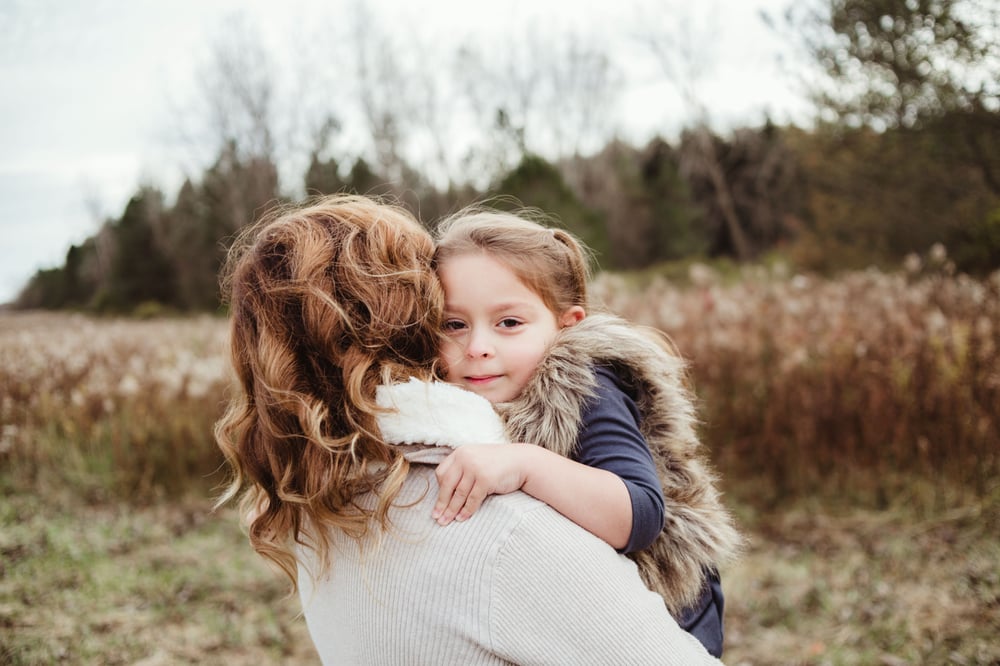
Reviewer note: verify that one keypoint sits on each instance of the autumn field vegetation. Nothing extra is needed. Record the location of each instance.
(853, 420)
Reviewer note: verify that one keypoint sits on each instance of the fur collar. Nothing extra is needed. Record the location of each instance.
(698, 532)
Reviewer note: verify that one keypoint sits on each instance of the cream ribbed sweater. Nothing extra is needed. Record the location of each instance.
(516, 583)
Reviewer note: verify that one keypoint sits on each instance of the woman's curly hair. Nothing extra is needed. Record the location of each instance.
(327, 300)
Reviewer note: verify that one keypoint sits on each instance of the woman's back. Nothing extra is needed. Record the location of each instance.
(518, 583)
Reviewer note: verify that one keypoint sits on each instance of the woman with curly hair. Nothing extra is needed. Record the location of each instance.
(336, 322)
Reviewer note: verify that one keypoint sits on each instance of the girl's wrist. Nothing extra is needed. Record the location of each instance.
(532, 461)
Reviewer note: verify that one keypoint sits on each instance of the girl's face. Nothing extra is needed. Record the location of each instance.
(498, 330)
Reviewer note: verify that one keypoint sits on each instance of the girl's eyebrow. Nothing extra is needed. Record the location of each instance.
(510, 305)
(499, 307)
(518, 308)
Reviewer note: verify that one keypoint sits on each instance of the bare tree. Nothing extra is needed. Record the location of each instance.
(684, 54)
(432, 112)
(582, 82)
(501, 87)
(550, 93)
(400, 91)
(702, 158)
(382, 88)
(99, 265)
(235, 108)
(238, 84)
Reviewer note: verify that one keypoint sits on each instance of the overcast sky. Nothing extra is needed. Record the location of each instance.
(90, 91)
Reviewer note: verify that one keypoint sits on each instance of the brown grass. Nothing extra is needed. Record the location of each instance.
(840, 386)
(854, 420)
(173, 583)
(168, 583)
(115, 408)
(860, 586)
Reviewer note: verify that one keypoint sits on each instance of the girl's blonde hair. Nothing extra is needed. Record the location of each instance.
(327, 300)
(550, 261)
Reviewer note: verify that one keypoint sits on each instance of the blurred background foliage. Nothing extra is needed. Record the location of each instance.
(904, 153)
(748, 248)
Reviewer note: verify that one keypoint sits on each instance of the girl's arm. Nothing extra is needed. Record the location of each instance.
(593, 498)
(612, 489)
(610, 439)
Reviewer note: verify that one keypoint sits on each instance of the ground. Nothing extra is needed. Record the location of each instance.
(176, 582)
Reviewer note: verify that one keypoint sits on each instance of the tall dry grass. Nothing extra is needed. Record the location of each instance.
(856, 384)
(872, 386)
(111, 408)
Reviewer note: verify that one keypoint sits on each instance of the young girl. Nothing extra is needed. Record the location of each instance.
(605, 399)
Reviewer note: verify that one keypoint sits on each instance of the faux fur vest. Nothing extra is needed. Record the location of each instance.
(698, 531)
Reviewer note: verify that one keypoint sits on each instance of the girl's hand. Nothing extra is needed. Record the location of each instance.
(472, 472)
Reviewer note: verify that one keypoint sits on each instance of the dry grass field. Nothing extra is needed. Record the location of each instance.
(174, 583)
(854, 422)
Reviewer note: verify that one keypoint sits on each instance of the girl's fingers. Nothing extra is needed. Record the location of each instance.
(447, 478)
(461, 489)
(472, 504)
(458, 499)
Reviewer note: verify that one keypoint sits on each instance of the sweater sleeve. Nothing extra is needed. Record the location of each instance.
(561, 595)
(610, 439)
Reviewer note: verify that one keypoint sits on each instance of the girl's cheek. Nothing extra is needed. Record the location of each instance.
(450, 353)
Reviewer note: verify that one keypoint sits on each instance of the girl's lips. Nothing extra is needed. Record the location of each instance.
(482, 379)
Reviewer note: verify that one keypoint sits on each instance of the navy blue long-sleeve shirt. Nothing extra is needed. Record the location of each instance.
(610, 439)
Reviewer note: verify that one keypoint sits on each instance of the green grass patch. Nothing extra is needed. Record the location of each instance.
(857, 586)
(113, 584)
(173, 582)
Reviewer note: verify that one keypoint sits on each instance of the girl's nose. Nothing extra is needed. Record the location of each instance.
(479, 346)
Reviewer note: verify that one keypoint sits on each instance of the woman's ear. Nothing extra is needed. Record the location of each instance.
(572, 316)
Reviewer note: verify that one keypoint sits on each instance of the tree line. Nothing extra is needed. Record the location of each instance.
(904, 153)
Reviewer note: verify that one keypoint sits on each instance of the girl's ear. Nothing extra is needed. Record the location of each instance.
(572, 316)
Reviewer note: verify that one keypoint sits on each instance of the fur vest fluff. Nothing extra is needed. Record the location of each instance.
(698, 532)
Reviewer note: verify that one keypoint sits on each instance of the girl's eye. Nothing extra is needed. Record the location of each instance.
(509, 322)
(454, 325)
